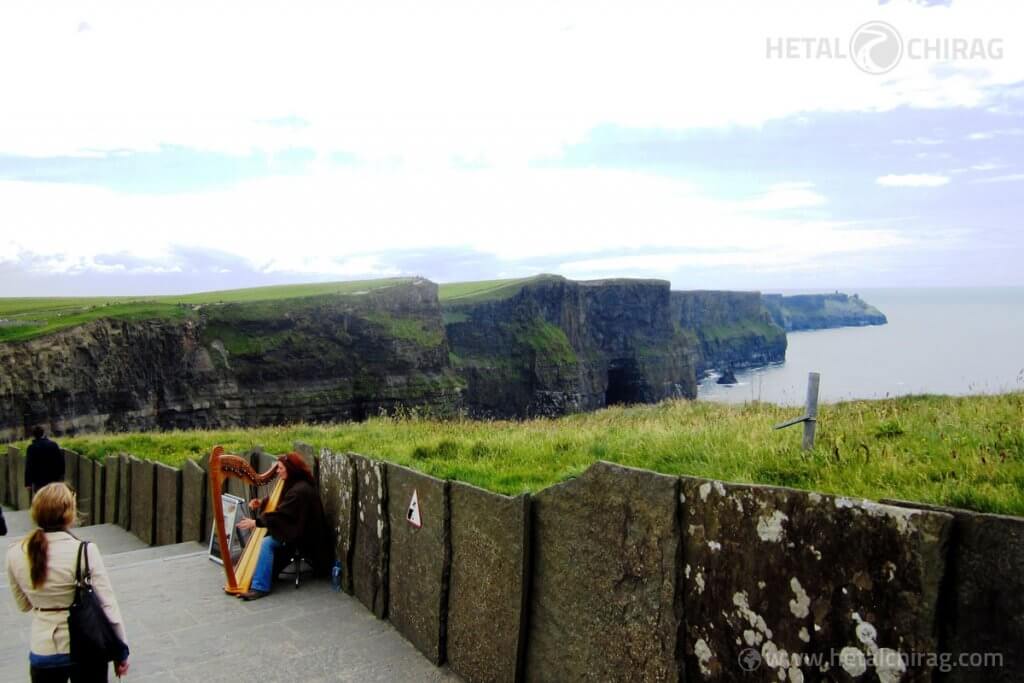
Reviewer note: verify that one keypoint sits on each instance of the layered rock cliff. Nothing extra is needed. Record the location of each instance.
(311, 359)
(732, 329)
(535, 347)
(821, 311)
(549, 346)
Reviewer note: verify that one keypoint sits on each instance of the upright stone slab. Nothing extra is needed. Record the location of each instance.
(14, 483)
(208, 512)
(23, 499)
(124, 492)
(338, 493)
(9, 493)
(308, 454)
(143, 499)
(982, 604)
(85, 487)
(604, 604)
(370, 554)
(789, 585)
(4, 480)
(71, 469)
(98, 477)
(419, 558)
(193, 502)
(111, 493)
(263, 461)
(490, 536)
(167, 525)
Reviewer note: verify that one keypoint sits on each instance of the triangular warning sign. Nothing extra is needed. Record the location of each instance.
(413, 513)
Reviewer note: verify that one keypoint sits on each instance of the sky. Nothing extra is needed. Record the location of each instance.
(158, 148)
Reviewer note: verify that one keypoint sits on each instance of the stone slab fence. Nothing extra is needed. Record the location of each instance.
(623, 574)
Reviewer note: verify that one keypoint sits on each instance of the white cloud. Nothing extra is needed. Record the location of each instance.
(992, 134)
(1008, 178)
(912, 180)
(345, 221)
(978, 168)
(425, 83)
(784, 196)
(920, 140)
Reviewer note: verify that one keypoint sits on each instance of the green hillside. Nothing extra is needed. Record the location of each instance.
(486, 290)
(27, 318)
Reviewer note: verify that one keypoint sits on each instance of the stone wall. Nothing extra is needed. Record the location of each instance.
(625, 574)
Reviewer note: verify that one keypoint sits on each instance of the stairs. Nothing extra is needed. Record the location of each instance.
(182, 627)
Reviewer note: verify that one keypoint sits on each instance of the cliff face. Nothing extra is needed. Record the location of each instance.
(556, 346)
(821, 311)
(732, 329)
(543, 346)
(313, 359)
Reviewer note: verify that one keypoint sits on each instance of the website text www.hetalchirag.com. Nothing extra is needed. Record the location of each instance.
(855, 661)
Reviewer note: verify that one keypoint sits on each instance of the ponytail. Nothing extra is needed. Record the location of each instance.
(53, 509)
(37, 547)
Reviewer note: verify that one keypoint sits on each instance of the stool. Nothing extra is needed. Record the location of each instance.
(296, 564)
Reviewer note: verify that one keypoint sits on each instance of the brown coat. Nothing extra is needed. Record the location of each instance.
(298, 521)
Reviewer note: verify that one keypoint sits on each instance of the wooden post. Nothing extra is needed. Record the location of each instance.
(810, 417)
(811, 421)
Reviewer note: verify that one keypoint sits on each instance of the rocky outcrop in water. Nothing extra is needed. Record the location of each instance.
(821, 311)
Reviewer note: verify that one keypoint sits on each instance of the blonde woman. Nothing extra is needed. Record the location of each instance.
(41, 572)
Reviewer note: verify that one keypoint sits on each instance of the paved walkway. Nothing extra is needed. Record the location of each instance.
(182, 627)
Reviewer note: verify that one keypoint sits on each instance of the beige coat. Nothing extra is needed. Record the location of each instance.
(50, 629)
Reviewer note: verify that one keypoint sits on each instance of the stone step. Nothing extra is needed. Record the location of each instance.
(119, 547)
(146, 554)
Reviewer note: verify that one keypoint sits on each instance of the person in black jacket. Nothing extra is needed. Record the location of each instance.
(44, 462)
(297, 522)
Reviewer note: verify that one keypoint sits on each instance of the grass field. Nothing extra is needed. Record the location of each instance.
(965, 452)
(465, 292)
(27, 318)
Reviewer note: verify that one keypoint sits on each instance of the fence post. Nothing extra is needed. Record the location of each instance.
(810, 416)
(813, 379)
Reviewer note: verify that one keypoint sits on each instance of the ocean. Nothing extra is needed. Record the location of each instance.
(937, 341)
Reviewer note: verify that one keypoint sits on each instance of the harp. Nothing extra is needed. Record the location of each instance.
(223, 467)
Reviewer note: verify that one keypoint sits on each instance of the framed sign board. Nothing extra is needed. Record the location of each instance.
(235, 511)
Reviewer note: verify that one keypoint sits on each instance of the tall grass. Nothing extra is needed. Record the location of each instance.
(965, 452)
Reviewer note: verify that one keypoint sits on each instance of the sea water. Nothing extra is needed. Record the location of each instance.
(937, 341)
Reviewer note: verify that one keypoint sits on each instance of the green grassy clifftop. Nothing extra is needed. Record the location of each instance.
(966, 452)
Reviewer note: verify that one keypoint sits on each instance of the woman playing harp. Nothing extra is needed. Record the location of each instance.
(290, 518)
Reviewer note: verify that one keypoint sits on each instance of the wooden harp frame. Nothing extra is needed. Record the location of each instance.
(224, 466)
